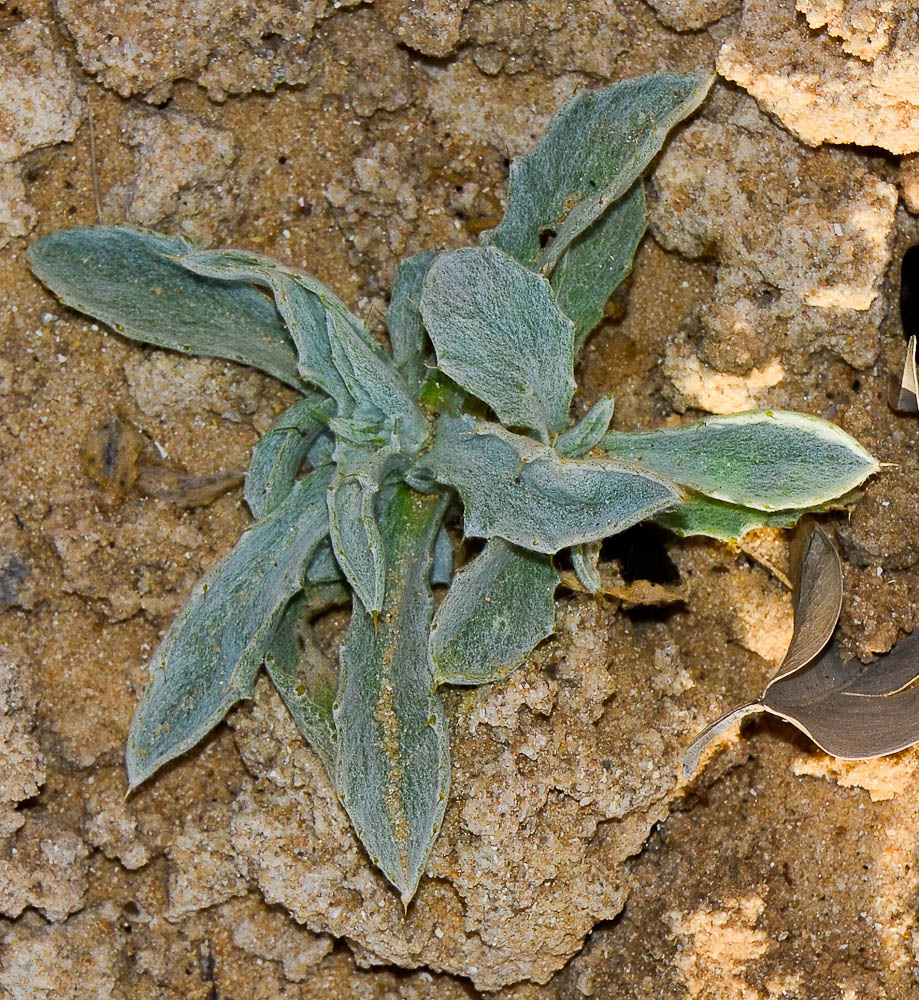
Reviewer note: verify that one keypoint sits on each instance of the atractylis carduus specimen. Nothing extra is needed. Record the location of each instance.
(470, 406)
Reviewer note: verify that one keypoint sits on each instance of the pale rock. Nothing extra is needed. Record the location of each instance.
(39, 105)
(848, 73)
(909, 182)
(23, 770)
(691, 15)
(428, 26)
(17, 216)
(549, 797)
(228, 47)
(185, 180)
(802, 241)
(516, 36)
(271, 934)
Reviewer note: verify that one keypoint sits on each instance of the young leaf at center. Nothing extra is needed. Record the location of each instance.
(499, 334)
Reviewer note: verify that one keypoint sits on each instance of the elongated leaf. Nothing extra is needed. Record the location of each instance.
(499, 334)
(698, 514)
(849, 709)
(765, 459)
(591, 154)
(213, 650)
(403, 319)
(305, 677)
(373, 380)
(393, 765)
(353, 528)
(129, 279)
(442, 569)
(517, 489)
(323, 567)
(596, 263)
(277, 456)
(497, 609)
(303, 302)
(587, 433)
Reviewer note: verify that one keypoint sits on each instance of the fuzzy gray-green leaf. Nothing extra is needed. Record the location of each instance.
(353, 528)
(497, 609)
(213, 650)
(518, 489)
(393, 765)
(277, 456)
(403, 319)
(588, 432)
(499, 334)
(129, 279)
(304, 676)
(596, 263)
(590, 155)
(766, 459)
(302, 301)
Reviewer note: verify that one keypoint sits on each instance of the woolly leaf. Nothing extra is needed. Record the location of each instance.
(403, 319)
(497, 609)
(372, 379)
(353, 529)
(596, 263)
(393, 764)
(214, 648)
(304, 676)
(302, 301)
(442, 570)
(590, 155)
(499, 334)
(587, 433)
(130, 280)
(517, 489)
(277, 456)
(768, 460)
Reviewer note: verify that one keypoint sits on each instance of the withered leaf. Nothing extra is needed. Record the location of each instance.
(849, 709)
(904, 397)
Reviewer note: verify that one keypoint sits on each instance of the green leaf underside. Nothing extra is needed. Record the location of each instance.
(728, 522)
(517, 489)
(591, 154)
(598, 261)
(128, 279)
(497, 609)
(214, 648)
(393, 764)
(305, 678)
(277, 456)
(768, 460)
(499, 334)
(403, 319)
(588, 432)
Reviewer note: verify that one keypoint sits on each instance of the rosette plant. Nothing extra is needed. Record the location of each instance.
(469, 406)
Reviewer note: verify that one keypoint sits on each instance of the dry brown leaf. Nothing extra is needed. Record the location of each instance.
(849, 709)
